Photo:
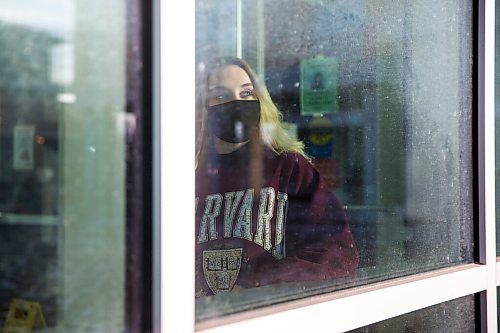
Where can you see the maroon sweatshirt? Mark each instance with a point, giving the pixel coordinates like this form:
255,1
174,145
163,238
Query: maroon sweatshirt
267,220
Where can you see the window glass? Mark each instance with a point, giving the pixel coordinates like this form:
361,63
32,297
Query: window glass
66,133
497,125
353,166
498,306
453,316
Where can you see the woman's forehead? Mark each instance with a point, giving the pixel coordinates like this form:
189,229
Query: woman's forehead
230,76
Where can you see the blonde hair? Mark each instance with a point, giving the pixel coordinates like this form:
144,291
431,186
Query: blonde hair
272,132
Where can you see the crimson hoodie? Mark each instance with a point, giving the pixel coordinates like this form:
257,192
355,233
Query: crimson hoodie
267,219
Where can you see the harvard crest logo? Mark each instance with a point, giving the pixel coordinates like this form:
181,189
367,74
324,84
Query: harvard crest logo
221,269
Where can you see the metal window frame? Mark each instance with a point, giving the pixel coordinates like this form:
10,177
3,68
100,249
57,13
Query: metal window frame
139,274
174,308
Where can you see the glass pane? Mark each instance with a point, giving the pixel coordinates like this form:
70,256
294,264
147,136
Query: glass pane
452,316
67,129
497,124
498,306
356,167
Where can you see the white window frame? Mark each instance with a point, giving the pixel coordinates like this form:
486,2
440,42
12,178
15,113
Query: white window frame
360,306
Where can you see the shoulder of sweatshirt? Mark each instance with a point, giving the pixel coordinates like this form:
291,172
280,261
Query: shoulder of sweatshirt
291,160
296,174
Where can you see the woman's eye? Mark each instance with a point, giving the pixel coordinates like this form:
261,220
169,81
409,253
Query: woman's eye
219,96
247,93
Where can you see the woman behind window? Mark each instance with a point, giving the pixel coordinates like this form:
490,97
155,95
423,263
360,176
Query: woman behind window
263,214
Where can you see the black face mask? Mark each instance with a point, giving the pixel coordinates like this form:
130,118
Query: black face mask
234,121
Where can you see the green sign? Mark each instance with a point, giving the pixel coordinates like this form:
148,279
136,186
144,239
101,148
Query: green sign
319,86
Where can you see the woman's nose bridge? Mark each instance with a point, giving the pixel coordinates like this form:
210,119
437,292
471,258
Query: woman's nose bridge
235,95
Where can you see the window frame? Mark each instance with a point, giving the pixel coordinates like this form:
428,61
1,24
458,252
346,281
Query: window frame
174,245
139,191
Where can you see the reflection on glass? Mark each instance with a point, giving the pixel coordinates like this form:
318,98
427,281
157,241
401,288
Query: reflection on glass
376,95
452,316
62,165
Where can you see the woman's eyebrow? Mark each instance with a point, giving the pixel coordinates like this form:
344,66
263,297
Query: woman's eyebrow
249,84
218,88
